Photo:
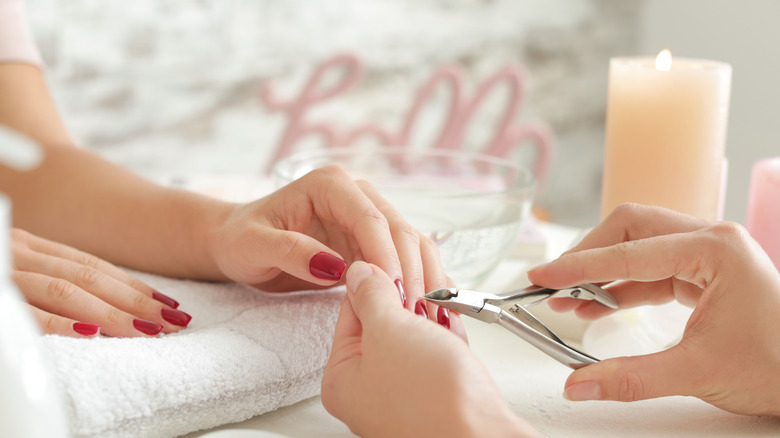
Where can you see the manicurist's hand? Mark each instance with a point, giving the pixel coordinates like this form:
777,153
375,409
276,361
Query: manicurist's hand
305,234
729,355
392,373
72,293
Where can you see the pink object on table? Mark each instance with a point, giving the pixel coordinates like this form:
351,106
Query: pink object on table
763,215
507,136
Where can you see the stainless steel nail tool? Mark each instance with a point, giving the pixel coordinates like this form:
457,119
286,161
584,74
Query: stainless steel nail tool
508,311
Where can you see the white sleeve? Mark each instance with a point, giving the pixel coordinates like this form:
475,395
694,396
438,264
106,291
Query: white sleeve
16,42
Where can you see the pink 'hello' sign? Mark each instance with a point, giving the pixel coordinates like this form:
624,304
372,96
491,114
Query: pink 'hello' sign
508,135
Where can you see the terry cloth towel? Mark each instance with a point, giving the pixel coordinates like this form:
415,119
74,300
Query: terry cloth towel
244,353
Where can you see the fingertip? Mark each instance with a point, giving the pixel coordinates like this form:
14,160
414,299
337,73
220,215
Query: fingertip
592,310
540,274
149,328
583,384
537,269
326,266
583,391
85,329
358,272
559,273
563,304
165,299
371,292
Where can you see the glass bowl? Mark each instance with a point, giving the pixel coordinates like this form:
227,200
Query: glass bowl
471,205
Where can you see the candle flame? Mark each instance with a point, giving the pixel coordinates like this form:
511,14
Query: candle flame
664,60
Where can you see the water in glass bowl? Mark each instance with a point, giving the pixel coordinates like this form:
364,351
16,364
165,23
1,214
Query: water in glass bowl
473,237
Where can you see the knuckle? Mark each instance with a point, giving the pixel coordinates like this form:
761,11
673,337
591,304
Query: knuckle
114,315
89,260
138,302
87,276
730,233
417,276
375,217
291,245
49,324
331,171
631,387
61,290
408,232
627,210
724,239
623,252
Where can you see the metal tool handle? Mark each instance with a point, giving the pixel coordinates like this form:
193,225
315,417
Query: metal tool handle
555,348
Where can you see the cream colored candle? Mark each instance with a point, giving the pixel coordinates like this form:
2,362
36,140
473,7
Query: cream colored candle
666,133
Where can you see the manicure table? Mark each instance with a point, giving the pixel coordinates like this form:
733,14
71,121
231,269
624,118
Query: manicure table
530,381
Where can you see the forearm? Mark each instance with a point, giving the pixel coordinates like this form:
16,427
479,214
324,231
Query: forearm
80,199
77,198
27,107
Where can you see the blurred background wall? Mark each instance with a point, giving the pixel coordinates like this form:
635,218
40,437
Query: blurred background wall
171,86
746,35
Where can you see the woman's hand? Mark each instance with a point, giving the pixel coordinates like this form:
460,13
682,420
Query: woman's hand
394,374
72,293
729,355
305,234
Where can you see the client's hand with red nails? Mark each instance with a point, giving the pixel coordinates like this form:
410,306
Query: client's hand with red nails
305,234
394,374
728,355
72,293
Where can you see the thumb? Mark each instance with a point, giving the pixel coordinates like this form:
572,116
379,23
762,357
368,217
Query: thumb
634,378
371,292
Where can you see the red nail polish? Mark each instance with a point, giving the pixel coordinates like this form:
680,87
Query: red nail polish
176,317
327,266
400,286
165,299
148,327
419,308
443,317
85,329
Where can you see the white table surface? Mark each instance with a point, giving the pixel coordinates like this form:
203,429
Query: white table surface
530,381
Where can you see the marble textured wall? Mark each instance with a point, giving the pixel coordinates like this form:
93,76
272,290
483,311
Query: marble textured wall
171,86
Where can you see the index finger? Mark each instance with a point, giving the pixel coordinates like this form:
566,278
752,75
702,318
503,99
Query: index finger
341,198
684,256
633,222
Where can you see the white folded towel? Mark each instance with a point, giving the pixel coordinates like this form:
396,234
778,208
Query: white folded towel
244,353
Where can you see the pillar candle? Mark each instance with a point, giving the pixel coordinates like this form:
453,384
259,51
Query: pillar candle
666,133
763,215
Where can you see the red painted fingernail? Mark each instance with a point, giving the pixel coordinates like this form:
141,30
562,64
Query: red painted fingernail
327,266
165,299
176,317
443,317
401,291
148,327
85,329
419,308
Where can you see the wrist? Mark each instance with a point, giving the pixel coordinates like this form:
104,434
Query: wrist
487,414
501,424
206,222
